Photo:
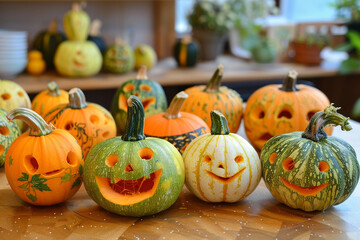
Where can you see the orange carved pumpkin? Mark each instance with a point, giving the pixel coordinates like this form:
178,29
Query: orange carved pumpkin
274,109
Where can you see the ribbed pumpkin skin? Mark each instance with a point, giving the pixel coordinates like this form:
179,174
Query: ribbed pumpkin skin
342,176
149,92
44,101
165,157
223,150
9,131
119,59
226,101
270,111
186,54
76,25
51,153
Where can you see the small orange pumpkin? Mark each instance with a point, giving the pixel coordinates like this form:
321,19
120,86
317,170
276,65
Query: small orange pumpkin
48,99
44,165
89,123
276,109
178,128
204,99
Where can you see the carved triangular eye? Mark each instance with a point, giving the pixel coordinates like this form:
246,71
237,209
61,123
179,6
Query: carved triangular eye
207,158
129,168
239,159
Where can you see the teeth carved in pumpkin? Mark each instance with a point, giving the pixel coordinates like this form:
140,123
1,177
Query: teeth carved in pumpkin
226,180
304,191
265,137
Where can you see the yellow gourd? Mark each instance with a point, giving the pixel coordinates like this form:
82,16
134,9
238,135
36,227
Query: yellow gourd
36,64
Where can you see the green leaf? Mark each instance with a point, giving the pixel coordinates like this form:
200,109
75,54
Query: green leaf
31,197
76,183
42,187
346,47
24,186
349,66
37,180
354,38
81,170
24,177
66,178
10,160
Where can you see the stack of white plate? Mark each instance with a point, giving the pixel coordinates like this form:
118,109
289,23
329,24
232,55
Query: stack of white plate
13,53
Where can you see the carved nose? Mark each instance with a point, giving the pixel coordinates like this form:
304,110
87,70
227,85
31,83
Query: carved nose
220,166
128,168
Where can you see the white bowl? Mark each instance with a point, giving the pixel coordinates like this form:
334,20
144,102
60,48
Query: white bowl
10,68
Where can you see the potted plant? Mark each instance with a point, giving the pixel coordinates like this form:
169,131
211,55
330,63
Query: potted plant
349,10
351,64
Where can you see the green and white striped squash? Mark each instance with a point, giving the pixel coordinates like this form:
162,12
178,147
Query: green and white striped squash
186,52
132,175
150,93
310,170
76,23
221,166
119,58
9,131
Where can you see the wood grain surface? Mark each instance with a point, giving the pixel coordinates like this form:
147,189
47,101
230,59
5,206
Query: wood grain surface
259,216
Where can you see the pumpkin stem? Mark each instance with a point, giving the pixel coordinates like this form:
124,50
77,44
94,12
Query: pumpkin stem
186,40
76,7
319,120
289,84
38,126
134,128
142,74
214,84
219,125
53,89
175,106
95,28
77,99
53,26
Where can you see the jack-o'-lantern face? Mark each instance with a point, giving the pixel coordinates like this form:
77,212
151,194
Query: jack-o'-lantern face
119,59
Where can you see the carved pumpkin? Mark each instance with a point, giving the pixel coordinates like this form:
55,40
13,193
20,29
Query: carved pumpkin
276,109
203,99
9,131
13,96
178,128
132,175
186,52
76,23
44,165
310,170
221,166
150,93
48,99
119,58
89,123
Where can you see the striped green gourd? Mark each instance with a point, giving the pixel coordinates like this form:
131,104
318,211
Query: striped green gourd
76,23
186,52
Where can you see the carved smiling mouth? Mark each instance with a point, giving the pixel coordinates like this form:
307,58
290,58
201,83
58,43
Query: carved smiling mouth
129,192
226,180
304,191
78,64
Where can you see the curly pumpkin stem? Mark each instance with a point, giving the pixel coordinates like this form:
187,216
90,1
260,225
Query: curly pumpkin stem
142,73
134,128
175,106
219,125
53,89
38,126
214,84
319,120
289,84
77,99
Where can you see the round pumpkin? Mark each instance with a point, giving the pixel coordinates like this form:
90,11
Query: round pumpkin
9,131
221,166
178,128
76,23
186,52
276,109
89,123
132,175
310,170
150,93
119,58
145,55
44,165
94,36
203,99
46,100
47,43
78,59
12,96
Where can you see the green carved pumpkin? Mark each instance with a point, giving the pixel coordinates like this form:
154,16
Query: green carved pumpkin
150,93
78,59
76,23
186,52
8,132
310,170
119,58
132,175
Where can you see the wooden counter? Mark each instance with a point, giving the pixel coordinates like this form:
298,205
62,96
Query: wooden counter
257,217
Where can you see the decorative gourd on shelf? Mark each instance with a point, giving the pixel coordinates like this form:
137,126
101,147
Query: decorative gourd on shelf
119,58
186,52
145,55
9,131
89,123
150,93
178,128
276,109
133,175
47,43
76,23
94,35
36,64
203,99
12,96
43,166
46,100
221,166
310,170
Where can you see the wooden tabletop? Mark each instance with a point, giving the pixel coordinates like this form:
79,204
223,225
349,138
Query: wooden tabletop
258,216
